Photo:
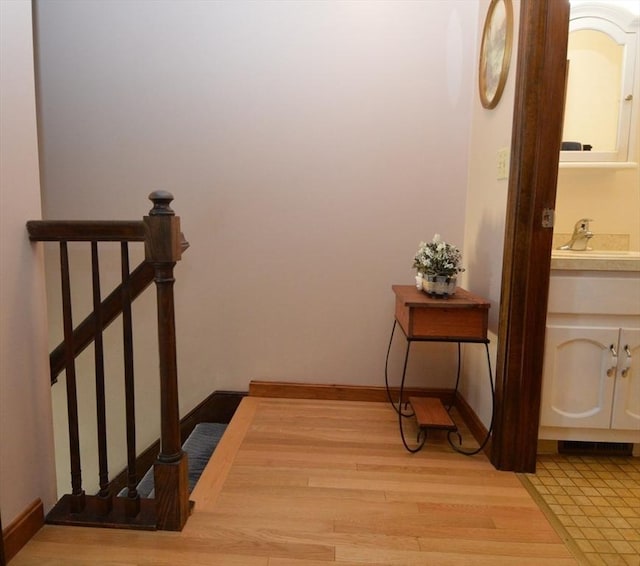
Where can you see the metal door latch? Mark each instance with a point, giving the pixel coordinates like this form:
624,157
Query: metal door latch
548,217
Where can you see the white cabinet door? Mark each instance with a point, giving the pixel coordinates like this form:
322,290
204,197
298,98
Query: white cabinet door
626,404
577,392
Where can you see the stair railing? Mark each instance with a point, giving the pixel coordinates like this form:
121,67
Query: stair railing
164,244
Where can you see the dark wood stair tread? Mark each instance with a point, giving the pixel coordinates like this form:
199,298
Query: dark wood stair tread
430,413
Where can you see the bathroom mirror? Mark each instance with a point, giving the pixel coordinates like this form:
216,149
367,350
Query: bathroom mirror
600,88
594,88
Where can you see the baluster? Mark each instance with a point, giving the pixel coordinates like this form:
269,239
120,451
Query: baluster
77,500
163,250
104,499
133,498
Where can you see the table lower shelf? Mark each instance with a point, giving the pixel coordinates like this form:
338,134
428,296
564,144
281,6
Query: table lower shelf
430,413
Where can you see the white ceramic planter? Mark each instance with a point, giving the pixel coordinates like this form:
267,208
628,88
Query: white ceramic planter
439,285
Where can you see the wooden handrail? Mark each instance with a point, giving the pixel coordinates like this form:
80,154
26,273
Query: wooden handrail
91,231
86,231
164,244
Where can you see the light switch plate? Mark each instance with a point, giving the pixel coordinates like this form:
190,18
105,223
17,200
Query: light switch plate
503,163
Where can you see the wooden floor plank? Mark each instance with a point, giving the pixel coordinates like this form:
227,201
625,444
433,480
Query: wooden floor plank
451,558
299,482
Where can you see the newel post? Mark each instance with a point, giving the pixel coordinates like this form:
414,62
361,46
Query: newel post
163,250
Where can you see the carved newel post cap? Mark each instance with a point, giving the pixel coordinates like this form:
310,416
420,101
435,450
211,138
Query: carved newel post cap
161,201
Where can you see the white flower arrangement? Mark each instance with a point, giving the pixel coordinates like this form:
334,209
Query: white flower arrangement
438,258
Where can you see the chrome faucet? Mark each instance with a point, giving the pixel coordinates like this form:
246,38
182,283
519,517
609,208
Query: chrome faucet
580,237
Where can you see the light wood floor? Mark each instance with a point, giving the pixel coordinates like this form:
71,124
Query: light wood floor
310,483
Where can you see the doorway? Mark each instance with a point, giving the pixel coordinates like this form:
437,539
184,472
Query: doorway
535,152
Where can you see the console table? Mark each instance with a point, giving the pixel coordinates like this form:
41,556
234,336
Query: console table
460,318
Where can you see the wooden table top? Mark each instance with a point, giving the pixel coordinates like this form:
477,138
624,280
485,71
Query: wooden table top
463,299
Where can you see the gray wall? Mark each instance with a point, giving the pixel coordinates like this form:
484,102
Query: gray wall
310,147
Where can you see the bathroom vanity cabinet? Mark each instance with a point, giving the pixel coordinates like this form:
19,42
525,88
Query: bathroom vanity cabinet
591,375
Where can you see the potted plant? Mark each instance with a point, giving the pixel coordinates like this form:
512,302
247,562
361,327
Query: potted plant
437,264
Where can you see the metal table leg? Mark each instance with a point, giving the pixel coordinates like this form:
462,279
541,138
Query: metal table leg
486,439
397,409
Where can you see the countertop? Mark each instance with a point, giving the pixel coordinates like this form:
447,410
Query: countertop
595,260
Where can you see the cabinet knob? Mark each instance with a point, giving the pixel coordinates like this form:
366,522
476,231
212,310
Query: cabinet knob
626,364
614,361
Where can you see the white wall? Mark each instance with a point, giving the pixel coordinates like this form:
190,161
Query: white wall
610,197
310,147
485,221
26,441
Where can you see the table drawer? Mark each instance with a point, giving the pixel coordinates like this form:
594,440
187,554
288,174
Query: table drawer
442,323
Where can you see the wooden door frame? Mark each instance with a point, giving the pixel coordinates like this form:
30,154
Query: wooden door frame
3,559
533,175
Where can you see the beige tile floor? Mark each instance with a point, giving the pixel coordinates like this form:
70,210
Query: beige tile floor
595,505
